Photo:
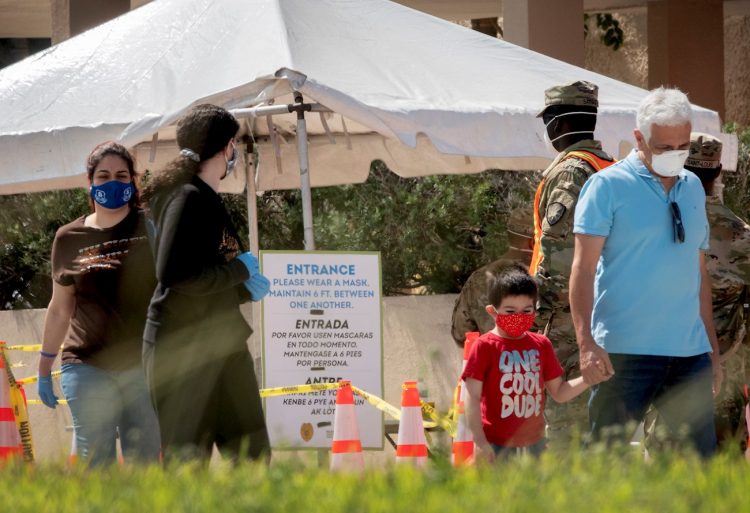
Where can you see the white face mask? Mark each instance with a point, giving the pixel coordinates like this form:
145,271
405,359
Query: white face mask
549,141
669,163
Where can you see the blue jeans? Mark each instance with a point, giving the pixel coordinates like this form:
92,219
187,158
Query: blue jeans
103,403
678,387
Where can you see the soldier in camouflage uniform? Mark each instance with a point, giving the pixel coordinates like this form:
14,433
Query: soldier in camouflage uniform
728,263
469,313
569,117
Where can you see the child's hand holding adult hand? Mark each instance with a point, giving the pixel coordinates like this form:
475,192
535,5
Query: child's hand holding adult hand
595,363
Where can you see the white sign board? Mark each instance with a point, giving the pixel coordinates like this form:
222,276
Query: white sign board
322,322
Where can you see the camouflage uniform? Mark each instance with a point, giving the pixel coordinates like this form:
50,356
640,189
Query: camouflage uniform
728,264
469,312
562,183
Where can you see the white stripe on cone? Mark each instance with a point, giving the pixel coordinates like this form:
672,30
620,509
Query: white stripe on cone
73,456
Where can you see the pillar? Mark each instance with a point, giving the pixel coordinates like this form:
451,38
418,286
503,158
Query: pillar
686,49
552,28
71,17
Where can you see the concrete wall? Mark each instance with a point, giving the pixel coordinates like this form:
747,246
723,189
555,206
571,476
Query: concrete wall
51,429
737,68
630,62
416,342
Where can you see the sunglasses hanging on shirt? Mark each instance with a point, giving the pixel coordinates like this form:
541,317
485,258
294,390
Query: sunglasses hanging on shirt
679,228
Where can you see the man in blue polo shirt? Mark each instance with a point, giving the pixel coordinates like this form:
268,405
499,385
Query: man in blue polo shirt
640,296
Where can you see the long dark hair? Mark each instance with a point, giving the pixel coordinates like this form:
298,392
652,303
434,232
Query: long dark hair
205,130
111,148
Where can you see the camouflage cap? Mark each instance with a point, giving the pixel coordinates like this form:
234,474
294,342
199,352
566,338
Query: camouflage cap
580,93
705,151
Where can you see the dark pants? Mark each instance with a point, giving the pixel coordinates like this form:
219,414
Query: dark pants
503,452
204,398
678,387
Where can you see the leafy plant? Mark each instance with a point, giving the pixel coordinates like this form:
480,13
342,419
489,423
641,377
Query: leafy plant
608,28
580,481
28,223
737,183
432,232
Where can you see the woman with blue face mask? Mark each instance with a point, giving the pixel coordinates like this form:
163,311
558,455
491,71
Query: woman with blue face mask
103,278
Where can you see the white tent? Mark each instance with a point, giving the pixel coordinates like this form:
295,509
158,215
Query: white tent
424,95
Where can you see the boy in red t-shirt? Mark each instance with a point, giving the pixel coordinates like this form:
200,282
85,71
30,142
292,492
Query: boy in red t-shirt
508,369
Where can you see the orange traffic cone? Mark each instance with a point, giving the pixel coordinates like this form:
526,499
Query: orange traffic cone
346,450
10,438
412,445
463,443
470,338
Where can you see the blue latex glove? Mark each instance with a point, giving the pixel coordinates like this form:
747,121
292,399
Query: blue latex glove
258,286
45,391
251,263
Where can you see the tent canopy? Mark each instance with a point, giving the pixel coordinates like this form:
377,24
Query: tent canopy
423,94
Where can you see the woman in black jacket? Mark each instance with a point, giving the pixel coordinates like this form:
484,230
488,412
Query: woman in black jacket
199,369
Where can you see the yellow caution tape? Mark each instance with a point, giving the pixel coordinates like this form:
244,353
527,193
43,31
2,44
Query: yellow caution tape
30,348
443,422
11,379
18,402
34,379
374,400
39,401
297,389
386,407
20,413
378,403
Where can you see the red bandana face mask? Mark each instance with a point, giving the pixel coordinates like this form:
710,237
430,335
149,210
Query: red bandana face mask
515,324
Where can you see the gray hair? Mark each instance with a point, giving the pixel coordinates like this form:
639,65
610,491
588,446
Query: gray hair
663,107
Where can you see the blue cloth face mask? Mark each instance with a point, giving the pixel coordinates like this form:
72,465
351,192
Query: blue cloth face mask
231,163
113,194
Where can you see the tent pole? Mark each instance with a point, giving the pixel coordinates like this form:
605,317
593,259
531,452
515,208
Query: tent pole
304,172
252,198
251,170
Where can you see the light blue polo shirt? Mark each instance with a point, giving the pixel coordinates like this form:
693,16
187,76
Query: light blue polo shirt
647,285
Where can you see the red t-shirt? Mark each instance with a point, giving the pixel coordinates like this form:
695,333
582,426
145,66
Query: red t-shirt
513,373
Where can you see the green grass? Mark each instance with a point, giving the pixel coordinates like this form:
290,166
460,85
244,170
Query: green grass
581,482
